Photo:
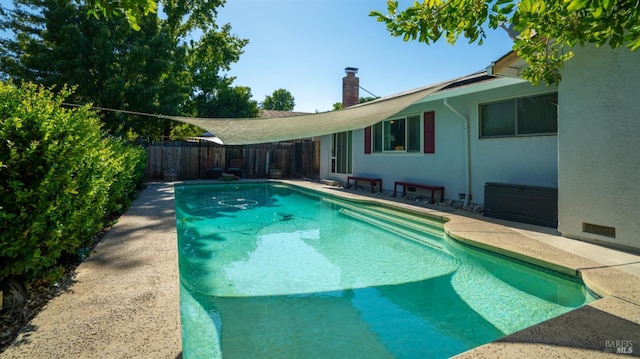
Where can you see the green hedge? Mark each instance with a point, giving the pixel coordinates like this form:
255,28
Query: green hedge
60,179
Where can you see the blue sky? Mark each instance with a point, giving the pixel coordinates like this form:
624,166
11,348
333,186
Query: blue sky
303,46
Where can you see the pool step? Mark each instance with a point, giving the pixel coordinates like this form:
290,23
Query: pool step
409,225
419,219
406,219
422,237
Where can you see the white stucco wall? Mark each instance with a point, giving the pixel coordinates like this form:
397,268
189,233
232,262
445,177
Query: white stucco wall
599,145
522,160
444,168
530,160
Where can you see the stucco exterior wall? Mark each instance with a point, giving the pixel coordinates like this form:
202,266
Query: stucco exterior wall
599,145
522,160
528,160
445,167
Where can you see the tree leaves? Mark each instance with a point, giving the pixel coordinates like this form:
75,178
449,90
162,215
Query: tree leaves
574,5
280,100
133,10
158,69
545,26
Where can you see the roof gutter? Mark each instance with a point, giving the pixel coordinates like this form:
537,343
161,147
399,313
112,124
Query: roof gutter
467,157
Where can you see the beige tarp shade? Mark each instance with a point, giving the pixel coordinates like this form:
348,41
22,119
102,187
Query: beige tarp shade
240,131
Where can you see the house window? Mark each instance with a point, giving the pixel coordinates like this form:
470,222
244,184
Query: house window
526,116
341,153
397,135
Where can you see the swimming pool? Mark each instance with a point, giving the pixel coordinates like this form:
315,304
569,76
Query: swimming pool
273,271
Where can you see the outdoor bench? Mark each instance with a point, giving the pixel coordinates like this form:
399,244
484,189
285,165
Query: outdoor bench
432,188
372,182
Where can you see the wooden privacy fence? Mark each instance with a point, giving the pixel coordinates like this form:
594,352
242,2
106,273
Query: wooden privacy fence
195,160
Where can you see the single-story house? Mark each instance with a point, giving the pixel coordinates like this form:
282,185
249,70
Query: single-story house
461,136
493,128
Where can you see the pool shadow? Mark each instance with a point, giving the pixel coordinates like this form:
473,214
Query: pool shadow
586,328
375,319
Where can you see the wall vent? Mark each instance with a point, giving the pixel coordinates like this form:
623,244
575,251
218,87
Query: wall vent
598,229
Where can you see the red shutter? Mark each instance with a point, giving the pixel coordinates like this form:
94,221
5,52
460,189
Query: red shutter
429,132
367,140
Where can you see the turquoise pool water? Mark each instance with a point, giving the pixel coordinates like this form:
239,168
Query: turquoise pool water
271,272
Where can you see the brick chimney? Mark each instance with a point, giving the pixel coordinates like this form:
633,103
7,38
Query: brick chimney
350,88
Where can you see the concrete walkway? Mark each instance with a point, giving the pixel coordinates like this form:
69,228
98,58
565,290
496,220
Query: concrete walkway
125,301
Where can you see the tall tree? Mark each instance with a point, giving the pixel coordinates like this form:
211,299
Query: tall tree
155,70
214,95
541,29
281,100
228,102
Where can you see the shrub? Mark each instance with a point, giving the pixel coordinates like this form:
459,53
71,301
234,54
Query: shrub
60,178
127,167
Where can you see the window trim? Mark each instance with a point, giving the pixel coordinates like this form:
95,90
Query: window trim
370,132
515,134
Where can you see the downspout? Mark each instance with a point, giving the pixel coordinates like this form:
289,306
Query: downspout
467,157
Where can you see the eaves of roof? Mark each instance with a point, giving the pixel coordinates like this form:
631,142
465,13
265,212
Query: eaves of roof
474,83
509,65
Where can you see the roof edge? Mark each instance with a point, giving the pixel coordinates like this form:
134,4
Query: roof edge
509,65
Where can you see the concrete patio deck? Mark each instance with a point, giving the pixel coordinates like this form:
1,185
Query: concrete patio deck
124,302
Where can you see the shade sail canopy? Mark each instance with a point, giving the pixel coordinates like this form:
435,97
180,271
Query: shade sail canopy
242,131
